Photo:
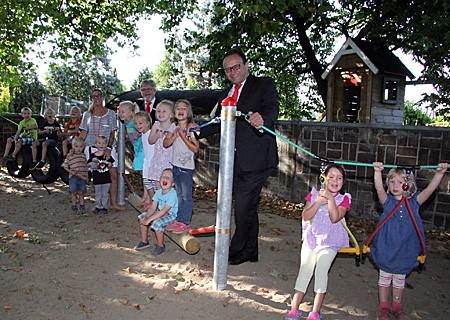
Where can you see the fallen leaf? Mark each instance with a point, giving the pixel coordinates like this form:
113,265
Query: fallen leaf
276,230
137,307
127,269
17,269
263,290
19,234
125,303
5,307
126,285
274,273
179,278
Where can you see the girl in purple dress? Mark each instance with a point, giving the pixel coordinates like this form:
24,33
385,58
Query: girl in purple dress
323,236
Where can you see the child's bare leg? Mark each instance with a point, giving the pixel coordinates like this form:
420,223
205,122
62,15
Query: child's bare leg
297,299
159,238
398,286
81,197
383,294
144,197
74,198
34,150
150,194
65,147
144,233
9,143
318,301
44,150
17,147
397,295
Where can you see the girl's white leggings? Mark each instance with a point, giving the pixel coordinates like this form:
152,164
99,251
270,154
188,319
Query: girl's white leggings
320,261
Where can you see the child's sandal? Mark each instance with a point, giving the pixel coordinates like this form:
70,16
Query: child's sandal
293,315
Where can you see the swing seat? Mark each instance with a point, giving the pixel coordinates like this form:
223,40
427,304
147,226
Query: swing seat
355,250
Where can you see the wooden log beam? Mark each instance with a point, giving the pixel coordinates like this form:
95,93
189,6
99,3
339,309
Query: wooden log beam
186,242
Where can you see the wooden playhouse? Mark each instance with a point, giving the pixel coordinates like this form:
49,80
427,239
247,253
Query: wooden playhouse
366,84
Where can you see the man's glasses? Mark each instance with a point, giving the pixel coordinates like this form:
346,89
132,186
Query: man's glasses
95,96
147,89
236,67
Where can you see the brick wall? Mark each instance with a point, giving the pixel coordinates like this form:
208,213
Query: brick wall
298,172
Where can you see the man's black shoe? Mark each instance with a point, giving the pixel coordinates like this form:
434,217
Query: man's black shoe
239,260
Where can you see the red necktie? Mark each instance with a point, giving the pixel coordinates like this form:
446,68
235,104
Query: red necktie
236,91
147,107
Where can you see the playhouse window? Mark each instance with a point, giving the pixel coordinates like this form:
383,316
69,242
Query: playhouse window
390,90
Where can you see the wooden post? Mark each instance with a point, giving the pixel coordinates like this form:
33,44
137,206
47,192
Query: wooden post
186,242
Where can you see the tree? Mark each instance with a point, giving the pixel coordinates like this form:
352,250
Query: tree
143,74
163,73
294,41
4,99
76,79
75,28
29,93
414,116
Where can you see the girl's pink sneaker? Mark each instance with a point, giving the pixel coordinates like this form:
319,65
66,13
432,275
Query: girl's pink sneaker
181,228
172,226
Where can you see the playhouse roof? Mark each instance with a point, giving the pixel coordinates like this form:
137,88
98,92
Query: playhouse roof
377,58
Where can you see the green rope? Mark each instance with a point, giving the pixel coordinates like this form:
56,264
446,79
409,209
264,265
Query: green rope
9,120
358,164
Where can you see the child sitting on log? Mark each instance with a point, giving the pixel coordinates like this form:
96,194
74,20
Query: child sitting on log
162,212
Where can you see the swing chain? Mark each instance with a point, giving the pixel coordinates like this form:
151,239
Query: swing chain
407,184
322,177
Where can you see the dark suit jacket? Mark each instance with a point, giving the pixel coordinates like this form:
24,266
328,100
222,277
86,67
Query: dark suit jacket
153,112
254,150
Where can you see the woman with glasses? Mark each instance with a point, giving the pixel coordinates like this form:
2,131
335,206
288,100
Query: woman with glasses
101,121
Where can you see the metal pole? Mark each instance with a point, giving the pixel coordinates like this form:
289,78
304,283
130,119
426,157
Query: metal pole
121,164
224,198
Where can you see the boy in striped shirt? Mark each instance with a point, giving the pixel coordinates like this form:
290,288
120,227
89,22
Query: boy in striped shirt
75,164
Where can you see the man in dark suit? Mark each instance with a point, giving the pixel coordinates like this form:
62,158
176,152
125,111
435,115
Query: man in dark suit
148,92
255,150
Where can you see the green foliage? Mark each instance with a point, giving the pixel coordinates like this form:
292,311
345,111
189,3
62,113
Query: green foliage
163,73
4,99
441,121
290,40
414,116
75,28
30,92
143,75
293,41
76,79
